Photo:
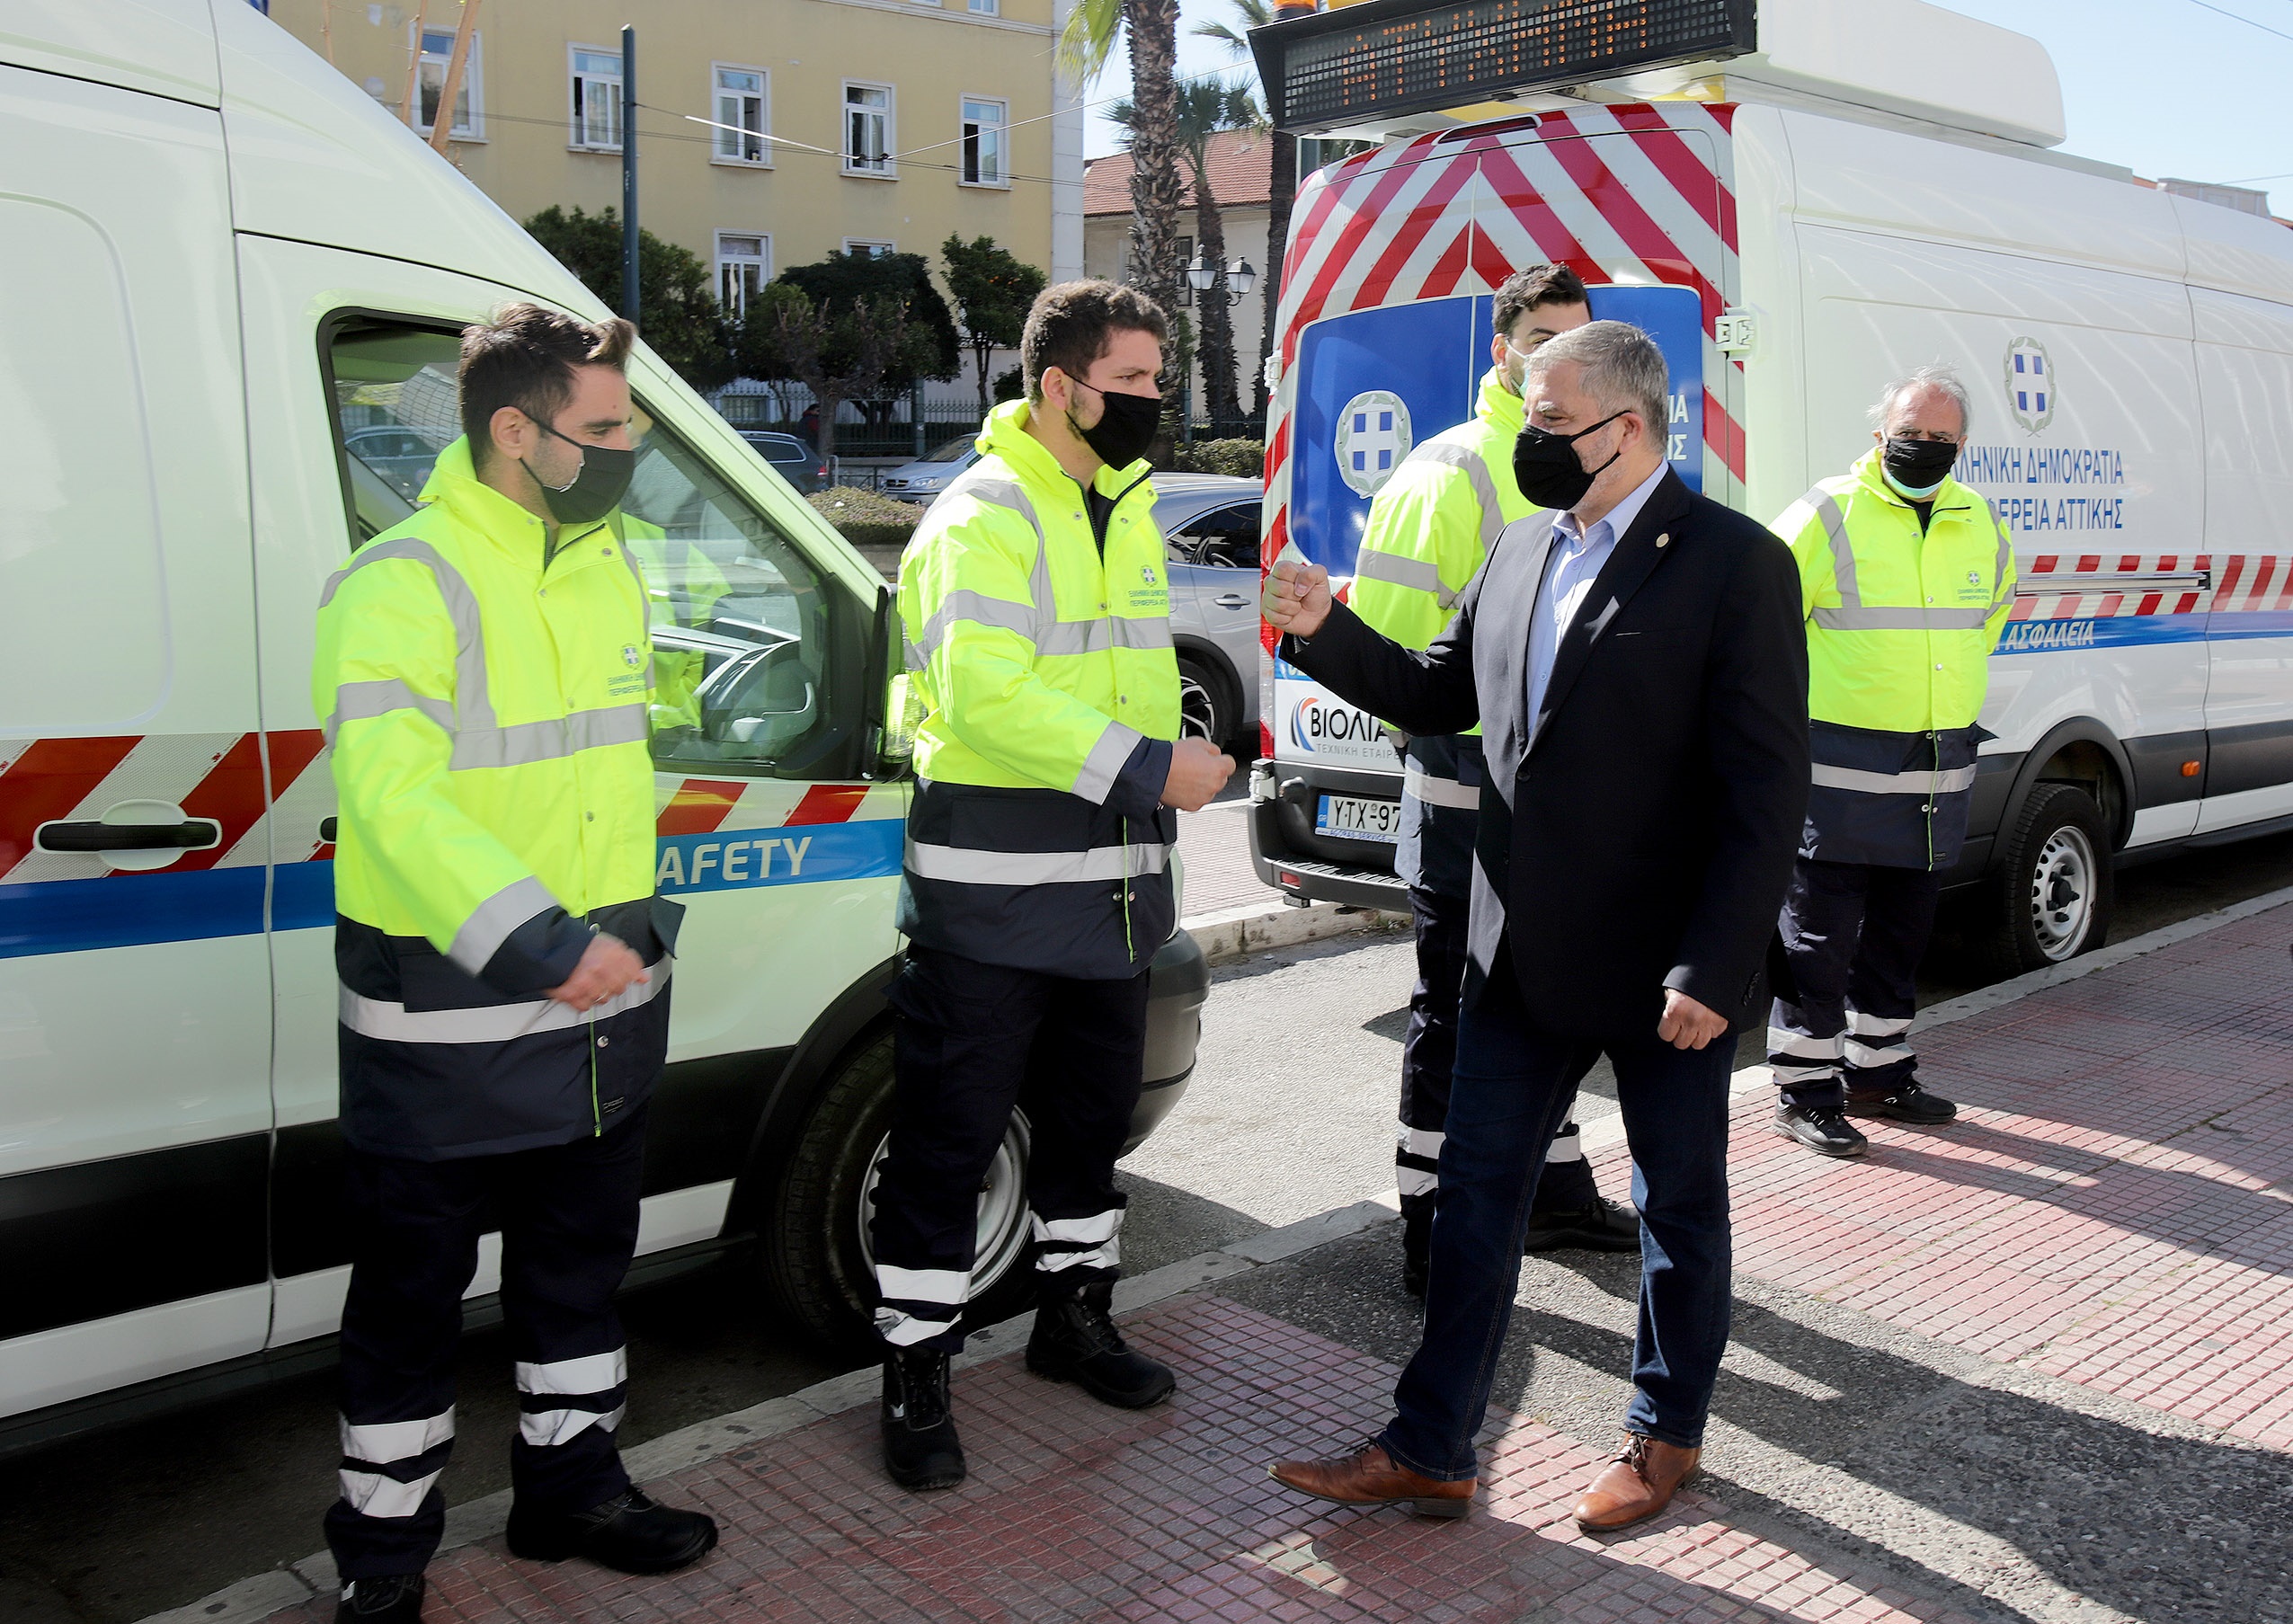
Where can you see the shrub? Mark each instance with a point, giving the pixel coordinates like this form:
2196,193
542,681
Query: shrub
866,518
1238,459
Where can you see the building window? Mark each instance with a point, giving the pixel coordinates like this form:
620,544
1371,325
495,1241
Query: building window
743,115
743,265
597,99
867,129
984,123
983,8
469,102
875,250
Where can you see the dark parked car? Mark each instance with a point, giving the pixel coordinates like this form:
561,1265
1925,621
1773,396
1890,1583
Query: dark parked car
791,458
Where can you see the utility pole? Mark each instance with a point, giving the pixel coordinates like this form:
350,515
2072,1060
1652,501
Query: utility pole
629,172
456,65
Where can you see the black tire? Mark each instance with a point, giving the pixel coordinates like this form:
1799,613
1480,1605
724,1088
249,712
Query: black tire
2055,888
1206,707
812,1245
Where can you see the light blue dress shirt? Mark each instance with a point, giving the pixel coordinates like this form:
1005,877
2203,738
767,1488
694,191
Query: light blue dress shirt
1570,567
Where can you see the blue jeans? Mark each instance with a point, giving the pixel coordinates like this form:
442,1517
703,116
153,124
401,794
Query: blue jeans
1511,1086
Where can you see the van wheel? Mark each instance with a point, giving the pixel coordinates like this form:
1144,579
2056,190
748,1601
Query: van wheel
2056,887
818,1261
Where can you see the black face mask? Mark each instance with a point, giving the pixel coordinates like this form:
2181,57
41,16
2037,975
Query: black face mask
595,490
1917,466
1547,468
1126,426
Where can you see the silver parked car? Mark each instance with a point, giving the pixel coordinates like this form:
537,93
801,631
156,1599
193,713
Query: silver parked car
927,476
1209,530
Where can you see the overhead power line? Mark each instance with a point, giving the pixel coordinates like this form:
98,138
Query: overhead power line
2221,11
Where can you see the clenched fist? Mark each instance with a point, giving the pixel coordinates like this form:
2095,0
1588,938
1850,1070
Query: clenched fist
1296,598
1198,770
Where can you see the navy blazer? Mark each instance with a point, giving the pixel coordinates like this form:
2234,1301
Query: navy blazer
1639,833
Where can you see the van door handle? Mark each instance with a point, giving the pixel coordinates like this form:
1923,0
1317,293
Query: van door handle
193,834
1231,600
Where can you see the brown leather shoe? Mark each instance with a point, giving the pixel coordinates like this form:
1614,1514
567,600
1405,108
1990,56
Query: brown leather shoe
1368,1476
1635,1485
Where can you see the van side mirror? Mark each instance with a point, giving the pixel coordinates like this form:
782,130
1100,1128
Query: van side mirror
894,708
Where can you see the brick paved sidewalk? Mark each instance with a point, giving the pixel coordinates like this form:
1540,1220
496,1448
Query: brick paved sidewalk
1077,1512
2114,1206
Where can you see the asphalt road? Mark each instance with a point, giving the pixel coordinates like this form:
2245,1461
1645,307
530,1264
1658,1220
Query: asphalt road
1290,1114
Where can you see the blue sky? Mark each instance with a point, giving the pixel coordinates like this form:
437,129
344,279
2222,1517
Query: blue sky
2165,87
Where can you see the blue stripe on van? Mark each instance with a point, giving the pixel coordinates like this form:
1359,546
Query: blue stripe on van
2050,636
138,911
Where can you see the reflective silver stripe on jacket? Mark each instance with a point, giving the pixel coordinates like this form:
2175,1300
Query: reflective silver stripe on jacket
479,739
1893,784
366,701
492,921
531,741
472,707
1048,632
1095,636
1440,792
1475,468
1850,616
1416,573
965,865
394,1023
1902,620
963,604
1104,765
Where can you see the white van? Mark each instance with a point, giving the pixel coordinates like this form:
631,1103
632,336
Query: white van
1798,223
227,271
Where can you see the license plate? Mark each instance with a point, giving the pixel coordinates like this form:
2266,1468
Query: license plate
1357,818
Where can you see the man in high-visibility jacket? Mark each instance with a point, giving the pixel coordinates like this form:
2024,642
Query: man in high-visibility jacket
1906,578
482,670
1037,885
1429,528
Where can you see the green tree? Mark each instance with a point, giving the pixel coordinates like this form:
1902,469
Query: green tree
1150,28
994,289
1205,108
926,349
841,351
677,310
1282,188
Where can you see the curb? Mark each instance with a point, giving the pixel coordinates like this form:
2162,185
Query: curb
1247,929
1229,934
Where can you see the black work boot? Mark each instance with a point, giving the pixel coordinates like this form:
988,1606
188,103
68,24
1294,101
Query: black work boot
1075,1340
1822,1129
1908,1104
1416,1242
394,1600
1599,1225
920,1449
628,1533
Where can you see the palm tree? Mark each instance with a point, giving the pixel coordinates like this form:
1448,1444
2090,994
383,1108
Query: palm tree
1205,108
1283,186
1151,28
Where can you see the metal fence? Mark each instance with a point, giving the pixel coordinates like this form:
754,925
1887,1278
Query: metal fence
903,427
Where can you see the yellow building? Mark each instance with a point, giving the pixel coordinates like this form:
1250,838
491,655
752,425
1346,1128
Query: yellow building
884,124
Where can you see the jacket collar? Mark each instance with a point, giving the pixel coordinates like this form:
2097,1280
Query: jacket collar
479,508
1950,497
1499,407
1005,436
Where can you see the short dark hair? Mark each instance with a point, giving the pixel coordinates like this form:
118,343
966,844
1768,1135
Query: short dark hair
524,357
1529,290
1073,323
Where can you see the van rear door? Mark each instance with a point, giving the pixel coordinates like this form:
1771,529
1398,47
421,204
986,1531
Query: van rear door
135,1032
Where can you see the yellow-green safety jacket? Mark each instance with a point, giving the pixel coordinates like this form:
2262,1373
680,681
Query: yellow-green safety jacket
1430,526
1042,661
486,702
1900,627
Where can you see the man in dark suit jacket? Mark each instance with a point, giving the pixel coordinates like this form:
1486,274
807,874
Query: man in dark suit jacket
1638,669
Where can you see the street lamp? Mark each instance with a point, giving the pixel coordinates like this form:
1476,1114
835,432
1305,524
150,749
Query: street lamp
1201,274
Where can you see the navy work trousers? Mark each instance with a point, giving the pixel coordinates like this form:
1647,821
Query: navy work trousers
1853,935
568,1216
1512,1086
971,1042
